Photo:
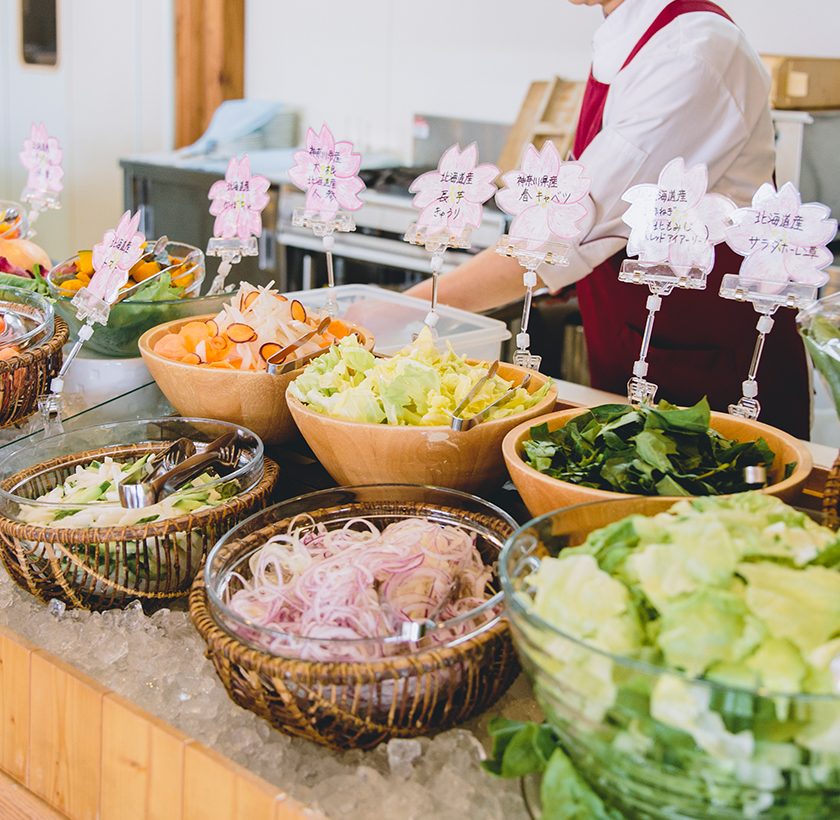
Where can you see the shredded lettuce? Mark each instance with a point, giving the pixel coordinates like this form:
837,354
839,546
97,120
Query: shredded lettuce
418,386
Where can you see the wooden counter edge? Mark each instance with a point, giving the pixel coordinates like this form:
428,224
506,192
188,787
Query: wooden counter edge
74,750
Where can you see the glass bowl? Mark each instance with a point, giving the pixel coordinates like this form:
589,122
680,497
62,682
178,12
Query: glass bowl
12,227
35,313
657,744
355,693
130,319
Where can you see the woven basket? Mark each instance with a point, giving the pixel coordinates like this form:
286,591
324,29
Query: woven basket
104,567
359,704
831,491
26,376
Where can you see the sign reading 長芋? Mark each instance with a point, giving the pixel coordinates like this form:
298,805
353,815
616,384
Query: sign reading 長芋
675,222
544,197
238,200
327,170
451,197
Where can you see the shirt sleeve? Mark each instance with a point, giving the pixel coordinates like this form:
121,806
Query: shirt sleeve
663,105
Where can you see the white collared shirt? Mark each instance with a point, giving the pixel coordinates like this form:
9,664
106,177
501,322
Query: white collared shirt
696,90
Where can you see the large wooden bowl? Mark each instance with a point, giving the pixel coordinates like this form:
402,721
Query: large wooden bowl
543,494
363,453
255,400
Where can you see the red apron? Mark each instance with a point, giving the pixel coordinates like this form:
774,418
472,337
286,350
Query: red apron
702,344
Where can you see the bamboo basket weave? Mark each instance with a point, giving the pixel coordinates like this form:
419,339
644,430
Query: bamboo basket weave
831,491
27,375
359,704
104,567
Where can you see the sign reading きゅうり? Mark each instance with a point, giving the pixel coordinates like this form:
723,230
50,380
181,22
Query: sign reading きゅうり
675,222
238,200
327,170
544,197
42,157
114,257
451,197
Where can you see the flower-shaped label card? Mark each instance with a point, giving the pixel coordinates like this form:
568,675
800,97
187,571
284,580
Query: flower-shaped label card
783,243
114,257
327,170
451,198
237,201
42,157
675,224
545,197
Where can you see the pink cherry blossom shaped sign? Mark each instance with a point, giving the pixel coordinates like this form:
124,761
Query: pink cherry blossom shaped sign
782,240
675,222
238,200
114,257
327,170
42,157
451,198
545,197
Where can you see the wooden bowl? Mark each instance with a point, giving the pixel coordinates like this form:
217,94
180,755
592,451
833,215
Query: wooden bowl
255,400
543,494
364,453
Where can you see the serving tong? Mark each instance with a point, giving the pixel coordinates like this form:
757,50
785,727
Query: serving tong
275,364
414,630
174,467
192,258
459,424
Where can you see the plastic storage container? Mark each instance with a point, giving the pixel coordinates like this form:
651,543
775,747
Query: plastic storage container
393,317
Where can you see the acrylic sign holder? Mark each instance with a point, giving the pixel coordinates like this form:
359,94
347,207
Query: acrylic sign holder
112,261
545,198
450,200
237,203
327,171
783,242
674,226
41,156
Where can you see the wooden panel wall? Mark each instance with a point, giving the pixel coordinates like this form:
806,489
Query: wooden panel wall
70,749
209,62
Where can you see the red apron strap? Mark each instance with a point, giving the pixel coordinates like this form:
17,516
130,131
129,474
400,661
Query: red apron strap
669,14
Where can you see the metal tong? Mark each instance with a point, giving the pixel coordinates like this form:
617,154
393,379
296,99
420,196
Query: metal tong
275,364
459,424
174,467
415,630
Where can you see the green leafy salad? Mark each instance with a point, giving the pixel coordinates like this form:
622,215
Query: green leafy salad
721,610
646,450
417,386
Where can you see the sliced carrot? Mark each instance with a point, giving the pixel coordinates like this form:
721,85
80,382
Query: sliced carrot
191,358
240,333
193,333
217,348
171,346
298,311
220,365
212,327
249,299
338,329
269,349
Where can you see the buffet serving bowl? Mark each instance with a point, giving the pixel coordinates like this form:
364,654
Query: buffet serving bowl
702,764
396,687
16,228
255,399
99,567
468,460
543,493
129,319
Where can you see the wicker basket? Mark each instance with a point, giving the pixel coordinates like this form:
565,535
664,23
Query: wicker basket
105,567
359,704
26,376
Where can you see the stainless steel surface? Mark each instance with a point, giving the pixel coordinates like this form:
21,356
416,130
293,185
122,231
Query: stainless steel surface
433,135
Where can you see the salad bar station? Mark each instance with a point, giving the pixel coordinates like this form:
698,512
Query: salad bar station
333,556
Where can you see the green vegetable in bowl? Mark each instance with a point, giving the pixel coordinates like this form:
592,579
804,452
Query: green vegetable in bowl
417,386
645,450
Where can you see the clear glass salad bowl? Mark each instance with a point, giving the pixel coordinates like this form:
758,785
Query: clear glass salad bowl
33,315
13,221
357,692
131,318
657,744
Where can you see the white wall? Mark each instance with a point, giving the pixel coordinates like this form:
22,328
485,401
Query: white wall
111,95
366,67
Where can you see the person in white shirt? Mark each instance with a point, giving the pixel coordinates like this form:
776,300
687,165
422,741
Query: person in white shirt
669,78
